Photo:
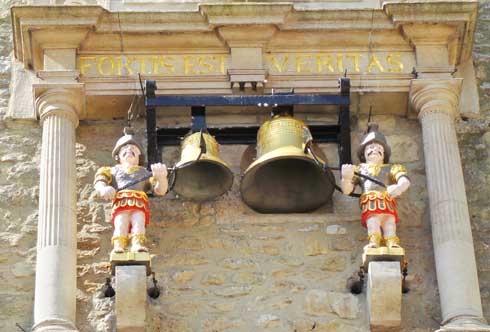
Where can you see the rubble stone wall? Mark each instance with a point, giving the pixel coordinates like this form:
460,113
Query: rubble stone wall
221,266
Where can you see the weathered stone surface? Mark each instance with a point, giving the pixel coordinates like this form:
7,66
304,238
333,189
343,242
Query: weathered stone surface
317,303
213,279
334,264
335,230
314,247
288,273
183,277
234,291
344,305
267,320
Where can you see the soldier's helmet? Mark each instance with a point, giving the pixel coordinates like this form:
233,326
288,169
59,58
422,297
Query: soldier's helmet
373,135
128,138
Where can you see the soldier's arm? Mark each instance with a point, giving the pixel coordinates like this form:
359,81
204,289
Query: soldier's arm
103,179
400,177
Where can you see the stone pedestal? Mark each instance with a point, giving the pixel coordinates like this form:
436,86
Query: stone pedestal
384,296
130,298
437,100
55,293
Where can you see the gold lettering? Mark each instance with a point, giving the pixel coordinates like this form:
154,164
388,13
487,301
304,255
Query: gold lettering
142,60
300,63
340,64
207,65
188,65
324,60
221,59
170,67
355,57
100,65
391,60
280,68
374,62
126,65
84,65
154,65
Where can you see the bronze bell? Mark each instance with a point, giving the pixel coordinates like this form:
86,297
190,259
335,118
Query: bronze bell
203,179
284,178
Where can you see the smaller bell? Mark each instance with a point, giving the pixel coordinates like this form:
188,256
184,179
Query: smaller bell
201,174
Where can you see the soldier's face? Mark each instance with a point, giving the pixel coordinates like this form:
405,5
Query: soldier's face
129,154
374,153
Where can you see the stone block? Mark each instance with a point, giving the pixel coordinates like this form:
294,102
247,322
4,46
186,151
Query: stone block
130,298
384,295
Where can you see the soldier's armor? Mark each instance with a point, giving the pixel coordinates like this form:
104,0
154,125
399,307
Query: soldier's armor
374,198
385,173
132,198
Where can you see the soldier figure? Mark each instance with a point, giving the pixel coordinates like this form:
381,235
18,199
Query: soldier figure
130,206
377,202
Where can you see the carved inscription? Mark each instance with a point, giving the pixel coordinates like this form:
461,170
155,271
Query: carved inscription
218,64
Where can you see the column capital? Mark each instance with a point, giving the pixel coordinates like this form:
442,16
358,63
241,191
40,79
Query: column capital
64,100
435,96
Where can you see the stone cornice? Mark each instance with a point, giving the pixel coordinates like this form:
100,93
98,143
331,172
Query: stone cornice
435,96
39,27
459,15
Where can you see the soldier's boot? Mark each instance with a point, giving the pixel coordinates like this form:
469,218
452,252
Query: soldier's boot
138,243
119,244
374,241
392,241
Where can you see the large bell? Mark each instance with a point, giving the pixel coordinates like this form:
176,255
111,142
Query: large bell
201,175
284,178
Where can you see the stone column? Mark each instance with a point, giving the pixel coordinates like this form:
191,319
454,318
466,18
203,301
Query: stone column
436,101
55,293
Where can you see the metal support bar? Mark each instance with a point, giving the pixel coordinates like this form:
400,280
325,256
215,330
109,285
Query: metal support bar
247,100
339,133
151,126
242,135
344,124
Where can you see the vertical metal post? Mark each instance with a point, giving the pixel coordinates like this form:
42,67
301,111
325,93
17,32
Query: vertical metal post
198,119
151,125
344,124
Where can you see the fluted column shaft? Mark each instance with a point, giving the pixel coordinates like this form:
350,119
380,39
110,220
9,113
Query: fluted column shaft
457,278
55,293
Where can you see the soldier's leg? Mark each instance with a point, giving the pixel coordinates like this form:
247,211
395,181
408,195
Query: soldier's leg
138,231
388,225
121,229
374,232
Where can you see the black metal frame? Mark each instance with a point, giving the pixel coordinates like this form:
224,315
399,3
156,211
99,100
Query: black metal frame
329,133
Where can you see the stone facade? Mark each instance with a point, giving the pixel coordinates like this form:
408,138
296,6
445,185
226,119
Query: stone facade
221,266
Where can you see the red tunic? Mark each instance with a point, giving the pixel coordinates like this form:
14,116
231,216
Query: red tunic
377,202
131,200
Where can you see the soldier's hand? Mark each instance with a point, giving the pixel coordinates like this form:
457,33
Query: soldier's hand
347,171
159,170
394,190
107,192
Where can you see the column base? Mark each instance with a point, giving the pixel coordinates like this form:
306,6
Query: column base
55,325
465,325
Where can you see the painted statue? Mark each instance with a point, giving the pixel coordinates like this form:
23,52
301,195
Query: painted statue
126,184
381,183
